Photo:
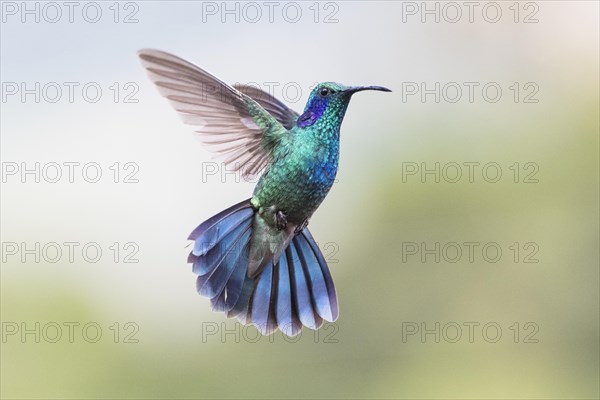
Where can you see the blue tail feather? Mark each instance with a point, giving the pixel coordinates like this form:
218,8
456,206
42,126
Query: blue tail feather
211,231
218,302
297,290
287,318
326,274
236,281
301,290
207,263
214,283
240,309
315,278
261,302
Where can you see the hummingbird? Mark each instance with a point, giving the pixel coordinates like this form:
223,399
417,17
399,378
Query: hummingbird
257,260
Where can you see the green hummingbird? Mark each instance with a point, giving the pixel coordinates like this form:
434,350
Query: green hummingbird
257,260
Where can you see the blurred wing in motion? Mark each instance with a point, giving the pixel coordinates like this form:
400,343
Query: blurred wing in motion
232,123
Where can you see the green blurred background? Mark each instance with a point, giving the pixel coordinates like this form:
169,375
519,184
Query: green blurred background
178,347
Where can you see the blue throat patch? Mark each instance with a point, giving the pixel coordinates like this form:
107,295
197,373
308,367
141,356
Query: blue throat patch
314,110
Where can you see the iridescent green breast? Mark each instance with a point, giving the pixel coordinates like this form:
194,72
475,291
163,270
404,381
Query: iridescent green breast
302,172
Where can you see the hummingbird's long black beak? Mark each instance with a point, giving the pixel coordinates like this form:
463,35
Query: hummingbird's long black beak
354,89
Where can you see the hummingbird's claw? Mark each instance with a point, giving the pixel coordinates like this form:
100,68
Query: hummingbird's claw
281,220
301,227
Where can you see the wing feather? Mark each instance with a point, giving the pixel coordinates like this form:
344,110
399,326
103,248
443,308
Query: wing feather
242,129
285,115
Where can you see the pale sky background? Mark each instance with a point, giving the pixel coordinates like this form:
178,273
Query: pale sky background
370,44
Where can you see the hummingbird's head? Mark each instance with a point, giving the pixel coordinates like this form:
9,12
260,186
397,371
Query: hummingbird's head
328,102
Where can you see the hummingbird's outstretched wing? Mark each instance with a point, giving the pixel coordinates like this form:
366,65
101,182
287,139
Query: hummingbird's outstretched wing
285,115
231,122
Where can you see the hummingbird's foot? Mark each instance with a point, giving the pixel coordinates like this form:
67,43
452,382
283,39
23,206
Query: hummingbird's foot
301,227
281,220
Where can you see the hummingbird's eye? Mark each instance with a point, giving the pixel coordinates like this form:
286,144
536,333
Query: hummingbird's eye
324,92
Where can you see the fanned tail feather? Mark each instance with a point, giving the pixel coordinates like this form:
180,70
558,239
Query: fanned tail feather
295,291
